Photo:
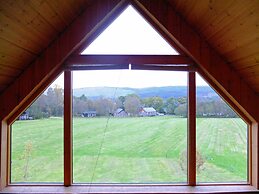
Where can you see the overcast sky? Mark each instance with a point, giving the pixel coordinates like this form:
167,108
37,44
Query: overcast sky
129,34
128,78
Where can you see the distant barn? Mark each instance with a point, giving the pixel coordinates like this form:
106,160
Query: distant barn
147,112
120,113
89,114
25,116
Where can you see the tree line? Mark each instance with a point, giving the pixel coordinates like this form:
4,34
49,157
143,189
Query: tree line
51,103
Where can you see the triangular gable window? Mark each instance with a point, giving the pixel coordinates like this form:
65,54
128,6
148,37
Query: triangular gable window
130,34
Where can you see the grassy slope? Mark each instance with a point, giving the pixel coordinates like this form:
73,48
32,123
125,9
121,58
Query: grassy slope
133,150
46,158
223,144
137,150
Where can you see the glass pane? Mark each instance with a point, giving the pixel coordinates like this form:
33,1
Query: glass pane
130,34
37,139
221,139
129,126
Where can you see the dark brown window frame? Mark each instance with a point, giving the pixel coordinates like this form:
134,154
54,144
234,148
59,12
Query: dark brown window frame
161,64
154,62
253,127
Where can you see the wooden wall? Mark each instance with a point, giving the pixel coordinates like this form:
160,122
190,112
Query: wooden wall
163,16
29,27
231,28
54,56
207,58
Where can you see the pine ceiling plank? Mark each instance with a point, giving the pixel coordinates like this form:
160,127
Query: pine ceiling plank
61,9
69,9
248,61
250,71
255,66
37,22
243,51
58,11
8,61
14,62
225,14
80,5
214,12
244,32
240,35
189,9
16,34
205,13
15,52
50,15
21,32
51,60
198,11
207,58
232,28
254,52
232,24
31,20
241,44
76,7
22,39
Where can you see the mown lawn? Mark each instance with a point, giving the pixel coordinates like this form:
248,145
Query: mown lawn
128,150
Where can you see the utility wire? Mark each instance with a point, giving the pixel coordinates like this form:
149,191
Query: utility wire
103,137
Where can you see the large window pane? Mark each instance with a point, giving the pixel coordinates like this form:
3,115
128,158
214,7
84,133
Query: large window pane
221,139
129,126
37,139
130,34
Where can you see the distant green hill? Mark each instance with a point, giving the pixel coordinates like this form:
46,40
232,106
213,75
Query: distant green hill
108,92
163,92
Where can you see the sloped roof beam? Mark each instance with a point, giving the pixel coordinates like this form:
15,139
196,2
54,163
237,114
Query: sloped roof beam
82,30
162,15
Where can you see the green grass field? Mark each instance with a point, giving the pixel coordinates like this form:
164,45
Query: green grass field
129,150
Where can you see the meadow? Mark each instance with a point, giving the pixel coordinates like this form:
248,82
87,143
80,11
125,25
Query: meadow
129,150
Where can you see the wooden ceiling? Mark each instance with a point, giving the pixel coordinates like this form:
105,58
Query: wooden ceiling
231,27
27,28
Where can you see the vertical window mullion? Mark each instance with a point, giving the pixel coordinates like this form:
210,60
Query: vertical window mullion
68,128
191,129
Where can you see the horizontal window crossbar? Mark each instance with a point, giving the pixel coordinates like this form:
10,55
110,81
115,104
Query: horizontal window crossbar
168,67
127,59
98,67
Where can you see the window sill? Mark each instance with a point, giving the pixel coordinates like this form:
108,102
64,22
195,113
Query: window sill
130,189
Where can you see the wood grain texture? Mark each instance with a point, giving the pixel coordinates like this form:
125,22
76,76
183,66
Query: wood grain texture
3,154
53,57
219,22
35,95
68,166
208,59
230,27
132,189
28,27
255,155
191,129
127,59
